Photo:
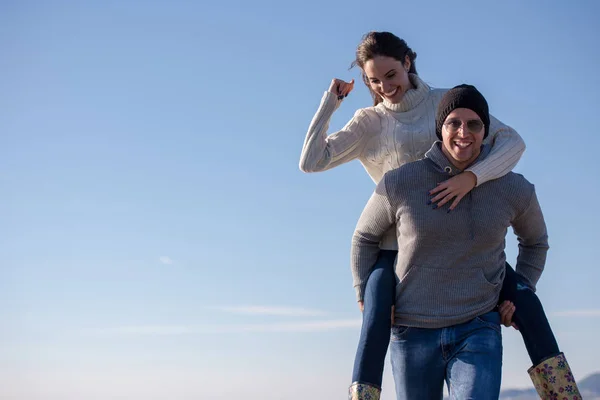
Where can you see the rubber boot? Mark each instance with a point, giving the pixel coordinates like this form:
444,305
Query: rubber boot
363,391
553,379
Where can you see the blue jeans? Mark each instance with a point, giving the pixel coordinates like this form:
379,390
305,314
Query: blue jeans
529,317
468,357
379,295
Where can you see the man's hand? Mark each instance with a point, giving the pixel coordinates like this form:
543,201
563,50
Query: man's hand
507,310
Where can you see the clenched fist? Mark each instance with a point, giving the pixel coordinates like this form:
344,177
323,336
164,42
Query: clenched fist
341,88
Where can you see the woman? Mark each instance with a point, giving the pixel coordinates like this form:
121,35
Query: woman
398,129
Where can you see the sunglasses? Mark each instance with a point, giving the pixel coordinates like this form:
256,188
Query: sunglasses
473,125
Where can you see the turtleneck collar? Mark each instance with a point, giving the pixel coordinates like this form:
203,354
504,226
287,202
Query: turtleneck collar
412,98
443,165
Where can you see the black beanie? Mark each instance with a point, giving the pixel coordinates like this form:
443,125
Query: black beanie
462,96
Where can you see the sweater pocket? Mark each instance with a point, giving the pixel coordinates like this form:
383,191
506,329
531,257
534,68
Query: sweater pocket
444,292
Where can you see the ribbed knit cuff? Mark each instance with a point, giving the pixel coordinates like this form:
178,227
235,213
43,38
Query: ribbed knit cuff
477,171
529,276
359,292
331,99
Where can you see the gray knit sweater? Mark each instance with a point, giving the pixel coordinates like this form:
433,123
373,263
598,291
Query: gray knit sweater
450,266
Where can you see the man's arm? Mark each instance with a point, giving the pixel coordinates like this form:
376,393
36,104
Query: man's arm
530,229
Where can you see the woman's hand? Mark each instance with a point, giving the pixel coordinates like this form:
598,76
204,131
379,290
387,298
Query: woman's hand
341,88
454,188
506,310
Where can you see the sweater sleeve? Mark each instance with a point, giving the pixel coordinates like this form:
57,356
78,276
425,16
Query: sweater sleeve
377,217
321,152
530,229
507,149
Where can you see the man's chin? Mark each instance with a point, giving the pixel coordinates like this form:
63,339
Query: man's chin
462,161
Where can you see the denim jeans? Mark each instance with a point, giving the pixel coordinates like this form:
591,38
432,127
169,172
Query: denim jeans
468,357
379,295
530,317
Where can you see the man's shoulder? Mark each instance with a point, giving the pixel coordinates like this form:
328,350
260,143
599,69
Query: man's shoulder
515,180
408,169
513,187
408,177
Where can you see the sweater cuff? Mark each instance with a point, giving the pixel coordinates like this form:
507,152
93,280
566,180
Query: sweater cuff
529,278
331,100
359,292
479,175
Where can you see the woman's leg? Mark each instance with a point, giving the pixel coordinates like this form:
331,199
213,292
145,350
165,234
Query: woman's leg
379,296
529,317
550,372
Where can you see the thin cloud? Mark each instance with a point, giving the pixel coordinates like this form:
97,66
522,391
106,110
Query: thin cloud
165,260
178,330
294,327
266,310
577,313
157,330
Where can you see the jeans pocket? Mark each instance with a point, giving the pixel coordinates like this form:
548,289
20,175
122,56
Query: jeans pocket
399,332
490,320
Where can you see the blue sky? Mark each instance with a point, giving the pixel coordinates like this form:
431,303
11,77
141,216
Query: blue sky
158,240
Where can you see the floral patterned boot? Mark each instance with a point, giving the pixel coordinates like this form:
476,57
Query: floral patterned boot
363,391
553,379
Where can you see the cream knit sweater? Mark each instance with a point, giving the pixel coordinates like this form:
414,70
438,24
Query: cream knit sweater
388,136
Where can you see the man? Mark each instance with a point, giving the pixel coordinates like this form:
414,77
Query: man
450,265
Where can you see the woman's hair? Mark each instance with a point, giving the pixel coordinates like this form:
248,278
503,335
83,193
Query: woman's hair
386,44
